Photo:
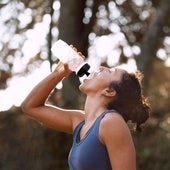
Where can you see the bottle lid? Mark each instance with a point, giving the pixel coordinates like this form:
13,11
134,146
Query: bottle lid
84,70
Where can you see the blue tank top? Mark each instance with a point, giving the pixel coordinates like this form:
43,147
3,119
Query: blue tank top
89,153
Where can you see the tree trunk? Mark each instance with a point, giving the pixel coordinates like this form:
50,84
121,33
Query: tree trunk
70,29
152,39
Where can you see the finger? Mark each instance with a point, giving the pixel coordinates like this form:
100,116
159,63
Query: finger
59,65
75,49
81,55
66,67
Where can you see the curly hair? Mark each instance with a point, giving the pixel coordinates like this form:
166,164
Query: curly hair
129,101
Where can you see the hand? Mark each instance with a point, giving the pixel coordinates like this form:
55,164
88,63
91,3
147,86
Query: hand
79,53
63,69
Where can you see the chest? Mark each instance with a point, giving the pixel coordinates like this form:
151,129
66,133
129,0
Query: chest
89,153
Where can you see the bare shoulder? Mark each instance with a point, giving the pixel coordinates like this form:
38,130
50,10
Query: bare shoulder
114,120
114,126
115,135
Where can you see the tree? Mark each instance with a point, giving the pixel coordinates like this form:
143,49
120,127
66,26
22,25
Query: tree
154,37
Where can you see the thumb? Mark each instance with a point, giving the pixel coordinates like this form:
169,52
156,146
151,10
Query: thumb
66,68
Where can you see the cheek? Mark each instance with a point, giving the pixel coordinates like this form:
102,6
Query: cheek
102,82
96,84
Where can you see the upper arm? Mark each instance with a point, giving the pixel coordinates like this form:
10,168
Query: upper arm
115,134
57,118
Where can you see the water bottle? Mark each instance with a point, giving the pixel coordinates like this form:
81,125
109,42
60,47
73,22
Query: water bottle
66,54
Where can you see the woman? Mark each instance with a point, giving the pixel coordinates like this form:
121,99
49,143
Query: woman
101,137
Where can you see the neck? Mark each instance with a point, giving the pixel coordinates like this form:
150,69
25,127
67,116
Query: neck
94,106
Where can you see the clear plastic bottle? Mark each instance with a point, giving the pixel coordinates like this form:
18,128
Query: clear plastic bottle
66,54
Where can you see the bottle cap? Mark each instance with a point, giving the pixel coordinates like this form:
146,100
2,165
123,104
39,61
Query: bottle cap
84,70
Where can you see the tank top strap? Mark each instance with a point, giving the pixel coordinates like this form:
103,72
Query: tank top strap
95,125
104,113
98,120
77,130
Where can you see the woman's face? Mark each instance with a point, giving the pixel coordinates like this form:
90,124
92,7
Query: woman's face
101,79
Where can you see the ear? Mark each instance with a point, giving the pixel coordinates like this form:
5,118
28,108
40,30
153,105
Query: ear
109,92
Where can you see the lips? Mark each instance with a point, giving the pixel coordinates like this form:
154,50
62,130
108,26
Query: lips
91,76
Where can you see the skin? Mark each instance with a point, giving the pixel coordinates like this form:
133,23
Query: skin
113,131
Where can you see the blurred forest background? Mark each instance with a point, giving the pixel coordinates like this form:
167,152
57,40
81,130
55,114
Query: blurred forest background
107,32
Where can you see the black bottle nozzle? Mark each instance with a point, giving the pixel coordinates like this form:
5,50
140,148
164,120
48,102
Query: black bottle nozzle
84,70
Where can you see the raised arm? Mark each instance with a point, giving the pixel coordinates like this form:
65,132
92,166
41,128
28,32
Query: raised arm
53,117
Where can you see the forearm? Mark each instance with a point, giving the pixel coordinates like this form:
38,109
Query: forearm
41,91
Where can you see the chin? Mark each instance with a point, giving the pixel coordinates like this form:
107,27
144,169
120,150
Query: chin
82,88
